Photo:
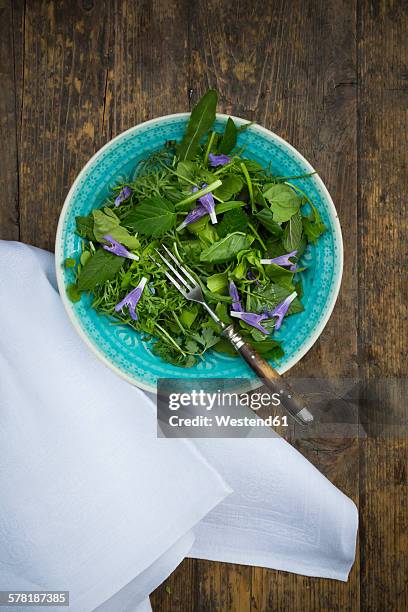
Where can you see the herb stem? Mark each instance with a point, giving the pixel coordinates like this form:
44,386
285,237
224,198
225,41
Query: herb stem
249,183
183,178
299,190
223,168
209,148
198,194
167,335
183,331
257,236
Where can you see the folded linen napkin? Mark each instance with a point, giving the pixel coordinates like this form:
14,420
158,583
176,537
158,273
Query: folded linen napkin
92,502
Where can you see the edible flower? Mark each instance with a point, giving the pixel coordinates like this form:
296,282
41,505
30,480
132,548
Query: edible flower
218,160
124,194
236,303
194,215
251,276
118,249
281,310
252,319
282,260
131,299
207,201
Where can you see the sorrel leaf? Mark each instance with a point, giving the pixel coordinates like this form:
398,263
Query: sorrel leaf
201,119
227,248
229,138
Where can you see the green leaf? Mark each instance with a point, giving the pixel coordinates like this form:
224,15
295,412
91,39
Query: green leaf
313,225
84,227
201,119
233,221
191,250
281,276
152,217
85,255
229,138
73,293
207,338
102,266
225,206
186,170
292,235
252,166
106,223
188,316
217,282
269,296
69,262
227,248
225,346
205,230
283,201
231,185
265,216
270,349
223,310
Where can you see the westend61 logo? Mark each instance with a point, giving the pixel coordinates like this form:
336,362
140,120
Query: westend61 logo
210,408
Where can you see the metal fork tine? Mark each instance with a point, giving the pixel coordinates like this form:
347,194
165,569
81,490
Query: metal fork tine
182,268
173,269
169,276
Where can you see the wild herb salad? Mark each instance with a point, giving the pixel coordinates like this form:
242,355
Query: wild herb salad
240,230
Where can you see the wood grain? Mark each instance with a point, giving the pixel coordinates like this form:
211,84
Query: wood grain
383,327
329,76
9,167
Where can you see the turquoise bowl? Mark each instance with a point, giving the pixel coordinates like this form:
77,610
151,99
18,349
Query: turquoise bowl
123,349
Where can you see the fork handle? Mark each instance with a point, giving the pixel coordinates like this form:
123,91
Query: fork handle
290,400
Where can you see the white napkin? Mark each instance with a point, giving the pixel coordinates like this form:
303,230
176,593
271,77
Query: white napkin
92,502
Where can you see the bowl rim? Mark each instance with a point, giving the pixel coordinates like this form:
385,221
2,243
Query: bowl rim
239,120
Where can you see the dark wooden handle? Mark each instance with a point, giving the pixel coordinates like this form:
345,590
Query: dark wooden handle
290,400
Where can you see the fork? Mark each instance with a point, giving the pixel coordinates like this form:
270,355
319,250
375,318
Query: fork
181,278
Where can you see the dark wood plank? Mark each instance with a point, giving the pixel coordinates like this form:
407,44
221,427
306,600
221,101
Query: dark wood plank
150,61
9,204
383,160
67,58
294,71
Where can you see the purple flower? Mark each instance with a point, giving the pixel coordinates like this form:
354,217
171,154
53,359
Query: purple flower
195,214
282,260
118,249
218,160
131,299
236,303
207,201
251,276
252,319
281,310
124,194
206,206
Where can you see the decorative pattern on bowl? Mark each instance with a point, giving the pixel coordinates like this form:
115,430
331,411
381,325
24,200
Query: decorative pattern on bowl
119,346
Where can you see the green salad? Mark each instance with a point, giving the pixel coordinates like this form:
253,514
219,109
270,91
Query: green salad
239,229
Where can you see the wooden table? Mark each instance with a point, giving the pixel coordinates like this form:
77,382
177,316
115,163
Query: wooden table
330,76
